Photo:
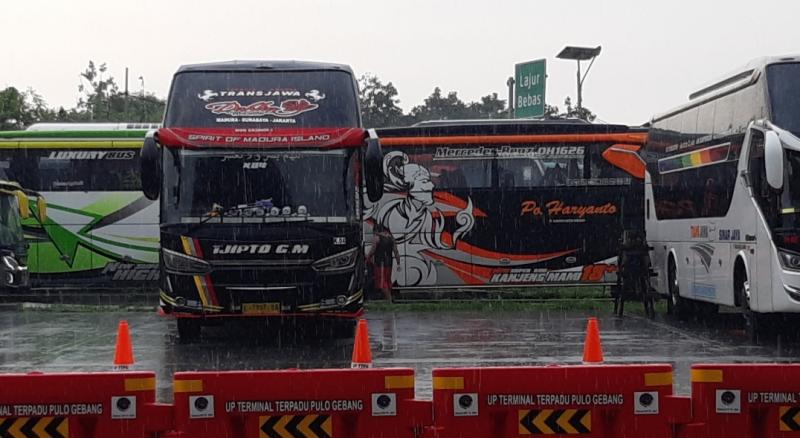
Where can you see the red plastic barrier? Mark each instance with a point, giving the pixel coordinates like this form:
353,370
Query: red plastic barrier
744,400
81,405
299,403
592,401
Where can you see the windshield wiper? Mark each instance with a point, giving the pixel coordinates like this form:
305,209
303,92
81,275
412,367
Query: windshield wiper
217,211
221,212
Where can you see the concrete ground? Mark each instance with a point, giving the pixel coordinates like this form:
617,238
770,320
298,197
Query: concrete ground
51,341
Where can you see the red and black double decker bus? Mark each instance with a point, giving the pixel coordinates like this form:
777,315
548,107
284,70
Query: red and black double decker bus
259,168
509,202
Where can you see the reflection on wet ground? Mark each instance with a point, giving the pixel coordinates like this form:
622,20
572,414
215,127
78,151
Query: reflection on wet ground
50,342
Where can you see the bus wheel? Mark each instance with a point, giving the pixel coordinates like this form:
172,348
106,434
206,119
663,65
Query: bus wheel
676,305
648,300
756,326
189,329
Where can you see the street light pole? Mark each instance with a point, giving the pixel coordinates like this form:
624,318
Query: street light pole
510,82
580,54
580,87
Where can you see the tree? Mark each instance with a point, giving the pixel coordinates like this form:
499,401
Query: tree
96,100
14,112
38,109
550,112
571,112
103,102
489,107
438,107
18,110
379,102
578,113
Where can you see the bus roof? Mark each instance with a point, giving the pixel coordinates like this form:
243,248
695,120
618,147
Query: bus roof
511,131
484,122
734,80
72,135
264,65
125,126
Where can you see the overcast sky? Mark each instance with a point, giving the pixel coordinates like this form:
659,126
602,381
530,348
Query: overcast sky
654,52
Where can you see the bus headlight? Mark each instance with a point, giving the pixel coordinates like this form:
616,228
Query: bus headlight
338,262
178,263
10,262
789,260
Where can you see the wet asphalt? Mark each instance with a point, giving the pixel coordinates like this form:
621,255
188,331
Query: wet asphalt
67,341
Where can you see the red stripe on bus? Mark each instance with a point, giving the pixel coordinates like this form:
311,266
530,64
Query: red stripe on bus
506,139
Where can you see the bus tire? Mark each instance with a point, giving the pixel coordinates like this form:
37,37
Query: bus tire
676,305
757,325
189,329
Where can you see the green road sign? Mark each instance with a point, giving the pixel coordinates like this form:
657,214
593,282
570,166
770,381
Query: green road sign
529,94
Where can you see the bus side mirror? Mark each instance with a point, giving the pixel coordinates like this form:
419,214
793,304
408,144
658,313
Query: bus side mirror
41,208
373,169
22,201
150,168
773,160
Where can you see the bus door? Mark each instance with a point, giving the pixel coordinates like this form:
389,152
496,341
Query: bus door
755,234
8,150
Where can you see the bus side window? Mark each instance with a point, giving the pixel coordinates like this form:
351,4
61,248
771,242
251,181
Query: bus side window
6,158
119,174
24,169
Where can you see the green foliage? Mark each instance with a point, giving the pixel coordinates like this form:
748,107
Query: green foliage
103,102
439,107
571,112
379,102
13,109
490,107
100,101
18,110
379,106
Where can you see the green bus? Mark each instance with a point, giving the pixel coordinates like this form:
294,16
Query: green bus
100,231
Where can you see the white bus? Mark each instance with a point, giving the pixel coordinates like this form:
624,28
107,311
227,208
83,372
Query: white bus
722,196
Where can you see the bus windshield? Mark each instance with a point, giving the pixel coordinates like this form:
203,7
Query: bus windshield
293,99
784,90
254,183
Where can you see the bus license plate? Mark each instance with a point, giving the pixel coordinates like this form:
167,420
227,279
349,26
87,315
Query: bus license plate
261,308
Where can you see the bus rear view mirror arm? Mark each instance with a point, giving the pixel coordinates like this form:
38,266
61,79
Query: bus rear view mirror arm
151,168
773,160
373,168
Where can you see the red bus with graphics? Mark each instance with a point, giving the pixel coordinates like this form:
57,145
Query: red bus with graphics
498,203
260,168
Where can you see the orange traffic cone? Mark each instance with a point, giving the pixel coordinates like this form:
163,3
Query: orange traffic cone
362,355
123,355
592,350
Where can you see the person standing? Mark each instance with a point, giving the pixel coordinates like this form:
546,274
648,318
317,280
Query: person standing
381,258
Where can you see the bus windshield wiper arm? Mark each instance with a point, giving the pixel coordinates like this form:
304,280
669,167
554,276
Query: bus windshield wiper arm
221,212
